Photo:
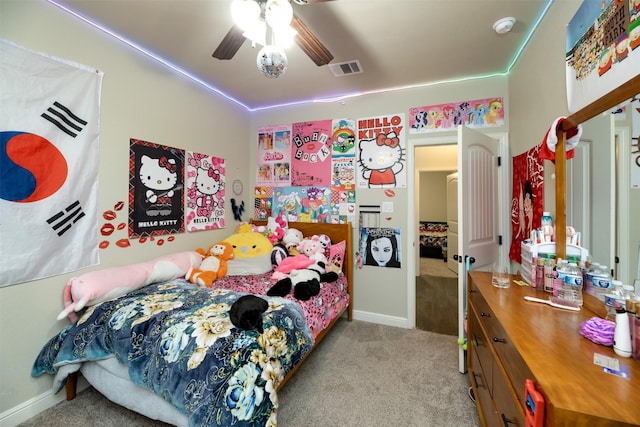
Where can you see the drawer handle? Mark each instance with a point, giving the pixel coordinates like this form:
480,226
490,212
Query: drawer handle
475,380
483,314
475,341
502,340
506,421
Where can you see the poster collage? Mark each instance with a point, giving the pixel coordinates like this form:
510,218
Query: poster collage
305,172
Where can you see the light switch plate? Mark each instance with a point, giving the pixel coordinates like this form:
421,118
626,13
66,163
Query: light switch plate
387,206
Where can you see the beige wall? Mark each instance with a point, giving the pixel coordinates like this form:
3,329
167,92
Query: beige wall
140,99
433,196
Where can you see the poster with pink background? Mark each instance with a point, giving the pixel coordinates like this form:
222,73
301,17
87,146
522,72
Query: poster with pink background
205,192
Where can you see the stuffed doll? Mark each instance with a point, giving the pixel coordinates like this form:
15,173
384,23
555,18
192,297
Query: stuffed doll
305,283
102,285
313,248
292,237
276,227
213,265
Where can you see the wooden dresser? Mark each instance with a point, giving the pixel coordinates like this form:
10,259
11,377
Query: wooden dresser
511,339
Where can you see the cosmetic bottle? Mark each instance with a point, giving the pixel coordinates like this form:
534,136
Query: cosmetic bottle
636,354
622,336
632,307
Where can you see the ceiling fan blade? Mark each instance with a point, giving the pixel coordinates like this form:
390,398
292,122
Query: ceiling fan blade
310,44
230,44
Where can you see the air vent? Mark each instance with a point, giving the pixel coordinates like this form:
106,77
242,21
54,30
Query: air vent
346,68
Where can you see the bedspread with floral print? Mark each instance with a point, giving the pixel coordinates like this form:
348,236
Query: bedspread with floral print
177,340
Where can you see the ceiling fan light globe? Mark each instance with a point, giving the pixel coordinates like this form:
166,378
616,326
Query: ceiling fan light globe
278,13
271,61
245,13
285,36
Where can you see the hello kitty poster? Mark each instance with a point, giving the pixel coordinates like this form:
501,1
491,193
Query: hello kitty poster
205,192
156,182
381,152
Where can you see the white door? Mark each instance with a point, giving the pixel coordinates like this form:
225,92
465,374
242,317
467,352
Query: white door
478,212
452,220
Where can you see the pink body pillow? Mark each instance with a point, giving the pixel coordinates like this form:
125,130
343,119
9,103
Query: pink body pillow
101,285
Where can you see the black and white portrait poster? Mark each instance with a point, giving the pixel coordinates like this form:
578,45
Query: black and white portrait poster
380,247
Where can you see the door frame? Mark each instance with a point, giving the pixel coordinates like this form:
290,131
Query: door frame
411,245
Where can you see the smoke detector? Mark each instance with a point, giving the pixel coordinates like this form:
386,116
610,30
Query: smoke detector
504,25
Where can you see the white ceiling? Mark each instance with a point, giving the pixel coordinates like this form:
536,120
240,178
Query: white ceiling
399,43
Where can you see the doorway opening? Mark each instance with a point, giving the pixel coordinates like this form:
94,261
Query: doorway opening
436,303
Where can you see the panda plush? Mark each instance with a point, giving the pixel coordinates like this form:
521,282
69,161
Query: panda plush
305,282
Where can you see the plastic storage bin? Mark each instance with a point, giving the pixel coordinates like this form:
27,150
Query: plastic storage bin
529,251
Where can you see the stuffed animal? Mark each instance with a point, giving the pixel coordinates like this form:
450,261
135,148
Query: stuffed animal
305,283
102,285
213,265
276,228
313,248
252,254
246,312
292,237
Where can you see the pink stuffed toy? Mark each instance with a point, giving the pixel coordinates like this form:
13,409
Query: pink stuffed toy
276,228
101,285
313,248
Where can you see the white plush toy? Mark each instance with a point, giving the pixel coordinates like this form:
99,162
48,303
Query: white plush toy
102,285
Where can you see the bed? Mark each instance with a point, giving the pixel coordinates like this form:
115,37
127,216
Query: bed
153,352
433,237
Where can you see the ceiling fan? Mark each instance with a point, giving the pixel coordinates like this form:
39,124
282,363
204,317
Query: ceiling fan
304,38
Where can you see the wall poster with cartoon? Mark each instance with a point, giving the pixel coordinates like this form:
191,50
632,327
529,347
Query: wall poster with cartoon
156,183
381,247
205,192
478,113
381,152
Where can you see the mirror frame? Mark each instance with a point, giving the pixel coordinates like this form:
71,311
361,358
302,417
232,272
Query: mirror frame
606,102
617,96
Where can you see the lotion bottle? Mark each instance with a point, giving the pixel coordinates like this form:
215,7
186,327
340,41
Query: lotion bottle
622,335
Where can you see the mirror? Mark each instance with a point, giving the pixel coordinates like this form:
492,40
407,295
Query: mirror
601,202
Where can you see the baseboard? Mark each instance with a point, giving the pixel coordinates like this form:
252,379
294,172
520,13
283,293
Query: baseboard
32,407
382,319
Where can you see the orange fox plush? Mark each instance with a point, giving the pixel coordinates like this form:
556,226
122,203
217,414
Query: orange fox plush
213,266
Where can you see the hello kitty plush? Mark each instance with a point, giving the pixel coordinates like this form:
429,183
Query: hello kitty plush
160,177
208,183
381,160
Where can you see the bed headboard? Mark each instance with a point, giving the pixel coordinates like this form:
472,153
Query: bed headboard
337,233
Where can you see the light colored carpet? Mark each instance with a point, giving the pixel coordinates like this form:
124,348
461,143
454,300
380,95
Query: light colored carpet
435,267
362,374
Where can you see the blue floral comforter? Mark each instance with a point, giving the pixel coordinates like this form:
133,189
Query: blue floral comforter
178,340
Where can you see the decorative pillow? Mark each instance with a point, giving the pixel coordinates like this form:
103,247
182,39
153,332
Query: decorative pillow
252,254
336,256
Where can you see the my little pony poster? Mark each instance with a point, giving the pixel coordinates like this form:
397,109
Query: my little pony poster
477,113
205,192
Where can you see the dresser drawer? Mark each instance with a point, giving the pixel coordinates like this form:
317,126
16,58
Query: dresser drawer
480,347
481,392
509,411
510,359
